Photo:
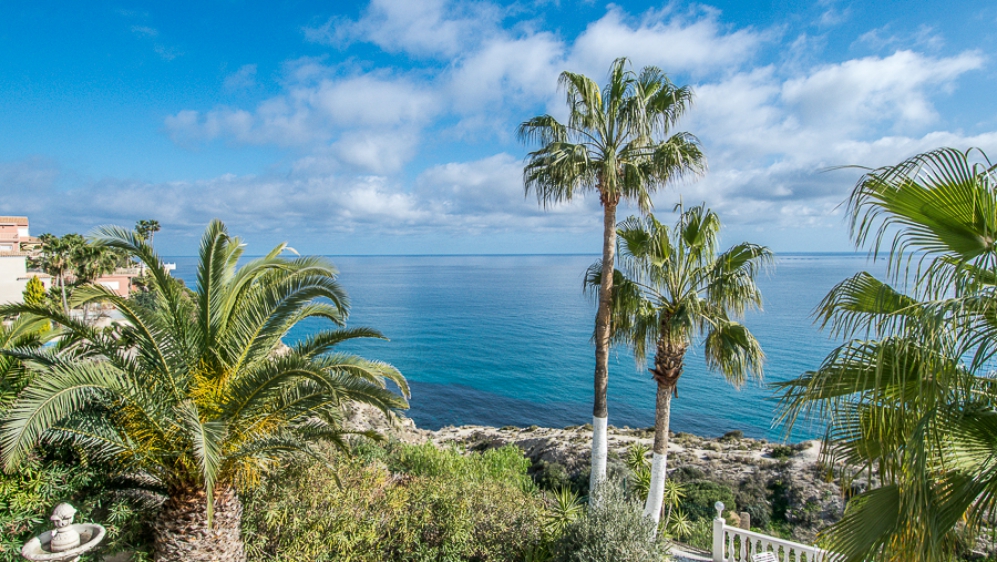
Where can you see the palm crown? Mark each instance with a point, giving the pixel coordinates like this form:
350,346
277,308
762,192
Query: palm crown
673,285
613,140
910,394
197,390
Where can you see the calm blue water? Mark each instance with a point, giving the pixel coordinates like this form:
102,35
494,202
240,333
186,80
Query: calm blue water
505,340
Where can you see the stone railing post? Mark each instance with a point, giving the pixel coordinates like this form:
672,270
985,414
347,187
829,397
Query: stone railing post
718,533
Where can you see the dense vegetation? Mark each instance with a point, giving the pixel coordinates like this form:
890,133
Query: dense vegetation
197,395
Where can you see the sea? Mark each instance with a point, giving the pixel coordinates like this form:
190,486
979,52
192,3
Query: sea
506,340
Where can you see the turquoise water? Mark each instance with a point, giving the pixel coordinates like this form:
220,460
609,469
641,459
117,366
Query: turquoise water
505,340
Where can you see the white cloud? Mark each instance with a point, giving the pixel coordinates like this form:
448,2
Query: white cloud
768,130
241,79
694,42
423,28
145,31
365,122
894,88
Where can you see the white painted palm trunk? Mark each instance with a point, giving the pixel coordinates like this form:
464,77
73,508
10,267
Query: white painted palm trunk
600,450
656,493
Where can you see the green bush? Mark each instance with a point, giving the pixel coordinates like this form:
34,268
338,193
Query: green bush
613,529
700,534
753,496
408,503
700,495
28,496
553,476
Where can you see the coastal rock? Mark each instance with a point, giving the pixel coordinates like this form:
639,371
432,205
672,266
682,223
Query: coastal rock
780,481
361,418
788,480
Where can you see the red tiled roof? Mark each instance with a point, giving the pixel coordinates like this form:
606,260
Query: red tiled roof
19,221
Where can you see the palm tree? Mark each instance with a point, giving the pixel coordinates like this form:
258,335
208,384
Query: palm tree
910,395
147,229
672,287
56,258
197,392
25,332
616,144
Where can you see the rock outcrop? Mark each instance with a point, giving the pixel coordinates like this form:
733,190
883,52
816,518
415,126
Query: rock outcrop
784,482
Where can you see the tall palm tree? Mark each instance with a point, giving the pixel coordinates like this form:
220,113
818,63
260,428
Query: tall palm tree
674,286
910,394
197,391
56,258
147,229
615,143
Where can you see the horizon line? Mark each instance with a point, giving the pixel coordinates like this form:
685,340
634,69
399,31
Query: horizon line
777,254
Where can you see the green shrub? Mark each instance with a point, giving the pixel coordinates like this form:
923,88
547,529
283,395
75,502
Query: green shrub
782,452
552,476
431,505
753,496
613,529
28,496
700,534
503,464
700,495
687,474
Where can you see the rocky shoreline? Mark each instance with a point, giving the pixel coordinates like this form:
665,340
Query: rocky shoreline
771,481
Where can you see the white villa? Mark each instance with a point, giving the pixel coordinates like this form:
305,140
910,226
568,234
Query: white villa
16,244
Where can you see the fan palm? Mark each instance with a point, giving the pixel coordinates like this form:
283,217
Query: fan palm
197,391
56,258
674,286
615,143
910,394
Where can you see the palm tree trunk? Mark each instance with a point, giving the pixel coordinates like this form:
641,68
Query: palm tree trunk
600,408
62,285
659,462
668,359
181,531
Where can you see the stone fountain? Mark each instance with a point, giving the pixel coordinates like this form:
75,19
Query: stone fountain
67,542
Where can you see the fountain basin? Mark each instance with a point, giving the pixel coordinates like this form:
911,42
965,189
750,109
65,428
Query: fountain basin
39,548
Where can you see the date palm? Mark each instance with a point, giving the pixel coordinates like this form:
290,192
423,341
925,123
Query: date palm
197,391
26,332
673,287
910,394
617,143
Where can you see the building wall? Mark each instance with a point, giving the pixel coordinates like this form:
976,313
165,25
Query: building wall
120,284
13,278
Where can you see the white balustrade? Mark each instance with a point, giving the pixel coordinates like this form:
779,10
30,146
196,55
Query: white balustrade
733,544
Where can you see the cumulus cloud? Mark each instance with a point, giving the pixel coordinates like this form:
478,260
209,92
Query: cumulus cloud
693,42
241,79
894,88
425,28
768,129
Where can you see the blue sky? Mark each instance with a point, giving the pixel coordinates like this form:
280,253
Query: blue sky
388,127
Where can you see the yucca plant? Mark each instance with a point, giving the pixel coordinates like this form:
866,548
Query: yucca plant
198,391
640,470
